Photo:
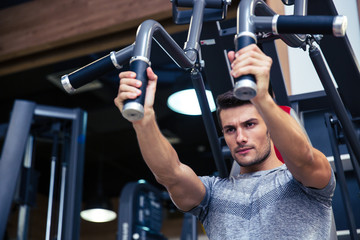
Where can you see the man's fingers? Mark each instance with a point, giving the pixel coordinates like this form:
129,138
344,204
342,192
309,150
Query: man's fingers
125,92
250,60
131,82
249,48
129,88
244,66
127,74
246,56
151,75
231,56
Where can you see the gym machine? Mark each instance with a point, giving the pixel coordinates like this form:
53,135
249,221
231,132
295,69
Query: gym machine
65,128
256,23
190,59
141,214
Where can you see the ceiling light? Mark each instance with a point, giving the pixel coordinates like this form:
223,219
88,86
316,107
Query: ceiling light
98,215
186,102
98,207
98,210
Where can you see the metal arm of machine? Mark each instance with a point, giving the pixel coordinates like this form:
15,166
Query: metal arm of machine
267,20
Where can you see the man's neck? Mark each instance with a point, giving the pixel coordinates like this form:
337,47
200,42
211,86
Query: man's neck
270,163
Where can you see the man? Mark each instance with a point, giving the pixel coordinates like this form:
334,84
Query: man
268,199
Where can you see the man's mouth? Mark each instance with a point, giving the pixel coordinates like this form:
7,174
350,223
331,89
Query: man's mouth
243,150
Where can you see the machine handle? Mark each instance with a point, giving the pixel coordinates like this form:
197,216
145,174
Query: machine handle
88,73
133,109
245,86
335,25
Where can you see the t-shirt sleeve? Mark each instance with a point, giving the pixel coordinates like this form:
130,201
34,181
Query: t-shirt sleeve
201,210
323,194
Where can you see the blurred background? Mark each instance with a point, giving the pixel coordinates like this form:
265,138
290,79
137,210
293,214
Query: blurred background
42,40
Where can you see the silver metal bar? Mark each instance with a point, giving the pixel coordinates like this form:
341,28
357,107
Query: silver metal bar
23,221
300,7
150,29
246,21
62,200
29,152
51,198
74,177
12,156
192,43
62,113
24,212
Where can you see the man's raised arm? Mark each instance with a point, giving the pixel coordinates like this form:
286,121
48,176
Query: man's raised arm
307,164
185,188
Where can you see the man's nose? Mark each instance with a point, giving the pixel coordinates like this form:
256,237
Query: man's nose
241,136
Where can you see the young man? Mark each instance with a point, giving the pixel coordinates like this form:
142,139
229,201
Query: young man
268,199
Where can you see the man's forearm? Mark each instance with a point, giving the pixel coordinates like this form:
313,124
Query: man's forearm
157,152
185,188
286,133
307,164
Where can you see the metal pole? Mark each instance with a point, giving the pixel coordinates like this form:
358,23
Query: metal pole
64,164
23,221
341,176
300,7
194,227
192,44
209,122
62,199
354,163
189,227
335,100
133,109
276,75
52,185
12,156
74,178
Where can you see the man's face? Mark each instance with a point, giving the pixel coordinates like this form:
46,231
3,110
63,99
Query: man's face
246,135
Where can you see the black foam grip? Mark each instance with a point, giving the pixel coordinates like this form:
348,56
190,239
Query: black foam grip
139,67
240,43
305,24
90,72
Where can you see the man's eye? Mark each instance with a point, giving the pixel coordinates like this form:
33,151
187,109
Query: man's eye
250,124
229,130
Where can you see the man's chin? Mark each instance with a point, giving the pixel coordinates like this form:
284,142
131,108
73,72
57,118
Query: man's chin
243,162
248,162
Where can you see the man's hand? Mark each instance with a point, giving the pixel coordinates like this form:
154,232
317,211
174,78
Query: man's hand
129,89
307,164
251,60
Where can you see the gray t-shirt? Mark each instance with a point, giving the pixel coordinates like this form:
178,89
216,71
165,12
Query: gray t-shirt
265,205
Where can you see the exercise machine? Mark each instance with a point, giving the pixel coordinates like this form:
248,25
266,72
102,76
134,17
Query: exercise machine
141,214
256,23
66,130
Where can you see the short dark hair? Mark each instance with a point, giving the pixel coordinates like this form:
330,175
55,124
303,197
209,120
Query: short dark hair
228,100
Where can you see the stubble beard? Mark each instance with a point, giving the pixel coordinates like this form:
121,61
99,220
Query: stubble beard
259,158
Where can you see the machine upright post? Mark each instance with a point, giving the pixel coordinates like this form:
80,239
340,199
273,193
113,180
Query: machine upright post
73,198
24,211
209,123
334,97
329,121
54,163
12,156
